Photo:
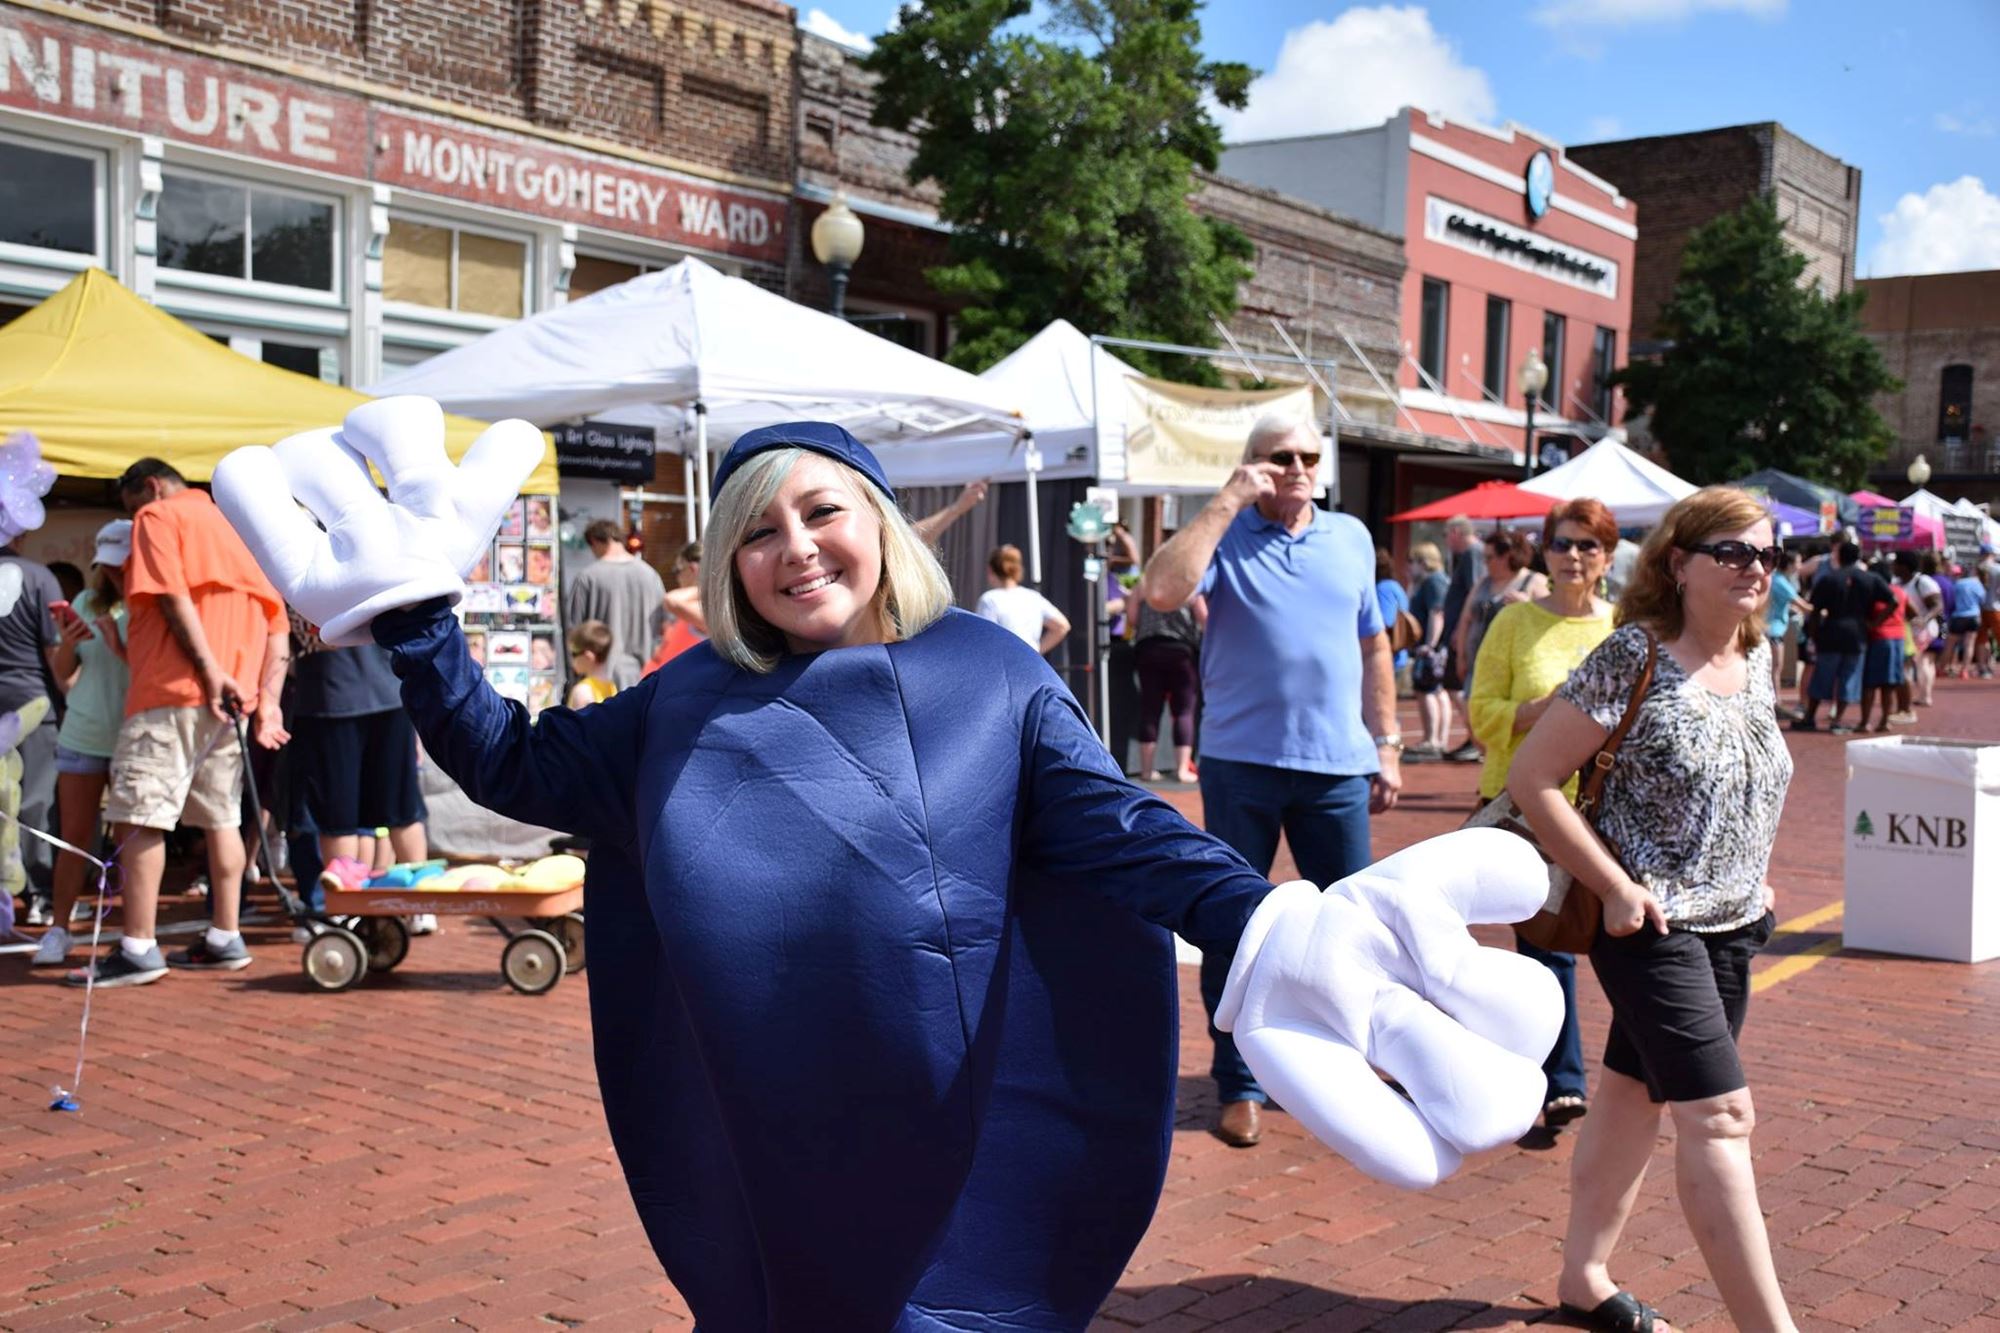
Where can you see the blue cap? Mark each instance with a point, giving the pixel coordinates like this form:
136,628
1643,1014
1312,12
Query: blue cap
822,437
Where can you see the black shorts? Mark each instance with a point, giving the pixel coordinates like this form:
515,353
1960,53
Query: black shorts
1963,625
1677,1006
356,774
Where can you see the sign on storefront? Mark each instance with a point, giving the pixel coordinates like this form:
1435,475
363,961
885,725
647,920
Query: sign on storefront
605,450
1962,533
1467,229
1887,523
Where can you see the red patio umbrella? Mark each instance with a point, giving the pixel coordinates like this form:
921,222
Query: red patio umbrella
1489,499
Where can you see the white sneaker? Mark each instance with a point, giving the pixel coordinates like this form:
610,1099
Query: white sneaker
423,923
54,948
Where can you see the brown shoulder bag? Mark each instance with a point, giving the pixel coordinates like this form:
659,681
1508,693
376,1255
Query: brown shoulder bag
1568,921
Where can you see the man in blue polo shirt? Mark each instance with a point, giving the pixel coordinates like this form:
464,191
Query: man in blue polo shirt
1298,727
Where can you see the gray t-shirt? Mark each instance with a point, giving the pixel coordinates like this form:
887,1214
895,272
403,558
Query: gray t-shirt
26,631
627,595
1692,803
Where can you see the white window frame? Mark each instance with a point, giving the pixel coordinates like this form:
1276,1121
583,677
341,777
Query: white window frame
167,276
915,314
411,312
69,260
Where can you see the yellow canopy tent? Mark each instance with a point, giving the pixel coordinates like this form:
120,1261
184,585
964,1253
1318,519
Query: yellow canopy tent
102,378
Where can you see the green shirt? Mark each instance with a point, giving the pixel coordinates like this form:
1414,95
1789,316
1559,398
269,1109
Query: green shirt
96,703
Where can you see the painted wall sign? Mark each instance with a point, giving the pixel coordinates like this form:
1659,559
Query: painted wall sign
1455,225
83,74
523,175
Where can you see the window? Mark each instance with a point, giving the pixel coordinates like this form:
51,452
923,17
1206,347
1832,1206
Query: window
233,231
1604,360
1431,342
448,269
1499,318
1954,404
593,273
1553,328
48,200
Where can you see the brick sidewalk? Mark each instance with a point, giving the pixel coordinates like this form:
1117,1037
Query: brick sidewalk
428,1150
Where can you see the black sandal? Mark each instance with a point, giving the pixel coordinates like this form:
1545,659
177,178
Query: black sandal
1622,1313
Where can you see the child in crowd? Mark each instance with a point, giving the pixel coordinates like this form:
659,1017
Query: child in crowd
590,658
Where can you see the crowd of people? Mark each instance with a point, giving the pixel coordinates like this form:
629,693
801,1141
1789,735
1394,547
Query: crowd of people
1279,620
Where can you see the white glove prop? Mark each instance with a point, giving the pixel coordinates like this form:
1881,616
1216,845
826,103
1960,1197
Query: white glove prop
374,554
1379,972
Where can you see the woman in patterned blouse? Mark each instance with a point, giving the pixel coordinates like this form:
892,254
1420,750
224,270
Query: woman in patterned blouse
1691,808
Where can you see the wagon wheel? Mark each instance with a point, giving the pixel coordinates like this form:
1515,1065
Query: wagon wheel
386,938
532,962
334,959
569,929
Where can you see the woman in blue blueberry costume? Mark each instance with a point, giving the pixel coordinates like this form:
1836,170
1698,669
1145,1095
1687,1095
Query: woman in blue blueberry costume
882,986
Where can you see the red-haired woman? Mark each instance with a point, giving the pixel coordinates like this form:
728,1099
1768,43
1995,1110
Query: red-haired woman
1525,656
1691,807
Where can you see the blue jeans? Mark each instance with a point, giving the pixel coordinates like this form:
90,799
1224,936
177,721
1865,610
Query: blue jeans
1324,818
1564,1067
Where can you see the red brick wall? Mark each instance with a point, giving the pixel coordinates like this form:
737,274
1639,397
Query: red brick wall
706,81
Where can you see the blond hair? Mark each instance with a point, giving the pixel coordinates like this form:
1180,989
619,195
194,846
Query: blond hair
1652,596
912,595
1426,554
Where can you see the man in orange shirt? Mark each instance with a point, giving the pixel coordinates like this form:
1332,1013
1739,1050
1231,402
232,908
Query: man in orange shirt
207,633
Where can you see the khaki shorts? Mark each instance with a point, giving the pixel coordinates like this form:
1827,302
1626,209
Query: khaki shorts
151,782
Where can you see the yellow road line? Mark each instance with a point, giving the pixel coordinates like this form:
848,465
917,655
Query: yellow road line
1811,919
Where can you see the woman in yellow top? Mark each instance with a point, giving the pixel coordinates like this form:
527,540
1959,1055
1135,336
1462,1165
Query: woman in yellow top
1528,652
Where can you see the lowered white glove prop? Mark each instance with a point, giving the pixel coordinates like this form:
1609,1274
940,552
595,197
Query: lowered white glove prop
374,554
1379,972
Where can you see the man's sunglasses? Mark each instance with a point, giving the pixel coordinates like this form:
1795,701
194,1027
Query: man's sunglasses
1286,457
1738,555
1564,545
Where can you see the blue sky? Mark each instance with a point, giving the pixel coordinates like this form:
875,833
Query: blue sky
1907,90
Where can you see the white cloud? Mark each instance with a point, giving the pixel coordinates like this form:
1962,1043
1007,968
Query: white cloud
1625,13
1603,127
1946,229
822,24
1971,123
1360,69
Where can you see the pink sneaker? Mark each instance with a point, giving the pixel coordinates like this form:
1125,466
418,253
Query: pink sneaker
344,872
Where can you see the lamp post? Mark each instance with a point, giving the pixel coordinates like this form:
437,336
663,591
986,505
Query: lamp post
1534,378
1919,472
836,239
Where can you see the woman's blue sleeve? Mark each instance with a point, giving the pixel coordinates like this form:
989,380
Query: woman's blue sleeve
1085,823
572,770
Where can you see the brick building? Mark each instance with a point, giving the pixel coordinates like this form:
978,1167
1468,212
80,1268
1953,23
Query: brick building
1511,248
1940,334
1681,181
347,186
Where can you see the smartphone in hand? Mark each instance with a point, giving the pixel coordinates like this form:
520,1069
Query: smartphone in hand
62,611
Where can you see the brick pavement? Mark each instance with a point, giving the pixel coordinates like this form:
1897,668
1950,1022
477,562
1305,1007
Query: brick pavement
428,1151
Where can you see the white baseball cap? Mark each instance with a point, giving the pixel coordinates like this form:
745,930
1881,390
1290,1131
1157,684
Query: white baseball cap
114,543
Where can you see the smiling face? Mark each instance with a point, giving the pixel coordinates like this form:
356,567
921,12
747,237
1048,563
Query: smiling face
811,563
1581,564
1709,585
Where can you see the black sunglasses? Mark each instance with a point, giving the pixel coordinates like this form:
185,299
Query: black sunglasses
1286,457
1738,555
1564,545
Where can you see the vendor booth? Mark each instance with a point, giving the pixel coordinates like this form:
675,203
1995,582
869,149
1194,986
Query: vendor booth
1835,509
1885,525
1637,491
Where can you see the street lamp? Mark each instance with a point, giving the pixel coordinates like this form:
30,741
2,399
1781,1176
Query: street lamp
1534,378
1919,472
836,238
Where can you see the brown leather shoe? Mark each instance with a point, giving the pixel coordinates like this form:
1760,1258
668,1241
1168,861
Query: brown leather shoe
1242,1124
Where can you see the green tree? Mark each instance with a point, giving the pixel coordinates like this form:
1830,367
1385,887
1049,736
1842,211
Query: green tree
1763,372
1065,165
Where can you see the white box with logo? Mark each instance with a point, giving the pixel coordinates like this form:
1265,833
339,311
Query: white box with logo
1923,848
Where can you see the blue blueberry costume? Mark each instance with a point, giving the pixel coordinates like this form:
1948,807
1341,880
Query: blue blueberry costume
882,992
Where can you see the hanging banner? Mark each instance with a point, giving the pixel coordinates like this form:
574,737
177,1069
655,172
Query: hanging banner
1962,533
1178,435
1887,523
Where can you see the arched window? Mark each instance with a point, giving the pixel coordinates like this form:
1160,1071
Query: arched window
1954,404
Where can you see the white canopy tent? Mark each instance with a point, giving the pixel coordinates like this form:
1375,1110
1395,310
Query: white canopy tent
1050,378
1932,505
698,354
1637,492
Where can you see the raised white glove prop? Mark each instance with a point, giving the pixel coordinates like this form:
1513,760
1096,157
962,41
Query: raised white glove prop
1379,972
374,554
